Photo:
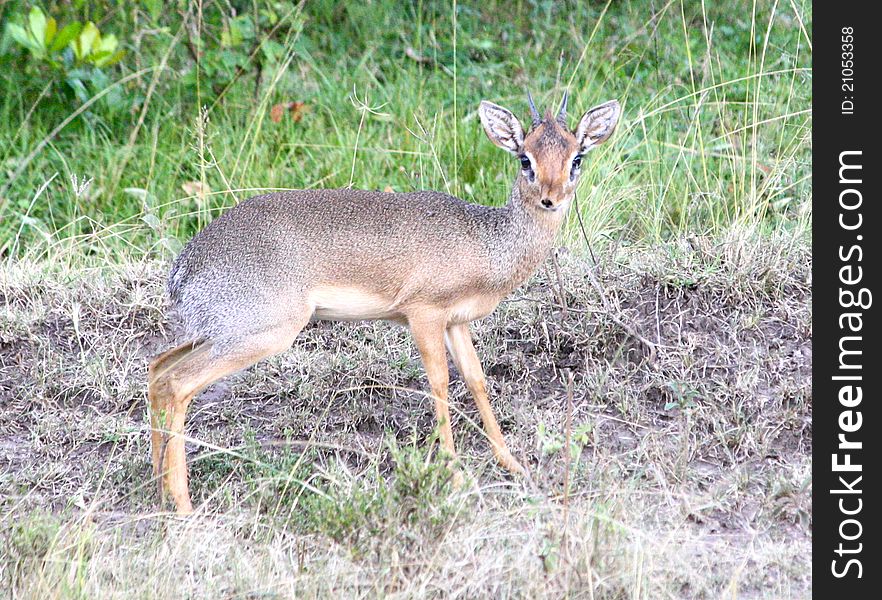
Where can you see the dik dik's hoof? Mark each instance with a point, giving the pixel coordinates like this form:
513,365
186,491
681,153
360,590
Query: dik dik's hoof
184,511
510,463
183,506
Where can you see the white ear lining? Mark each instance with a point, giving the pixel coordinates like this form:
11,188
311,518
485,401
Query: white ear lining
501,126
597,124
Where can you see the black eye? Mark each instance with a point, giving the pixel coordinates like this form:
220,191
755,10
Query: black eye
577,162
525,162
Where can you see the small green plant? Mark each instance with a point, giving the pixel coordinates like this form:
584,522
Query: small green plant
683,397
32,538
43,39
77,53
550,442
41,36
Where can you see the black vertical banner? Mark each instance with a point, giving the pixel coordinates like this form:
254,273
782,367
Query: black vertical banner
846,420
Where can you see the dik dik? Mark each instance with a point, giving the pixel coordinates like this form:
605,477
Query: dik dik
248,283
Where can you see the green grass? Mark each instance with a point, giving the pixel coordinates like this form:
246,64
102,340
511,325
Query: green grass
407,494
715,133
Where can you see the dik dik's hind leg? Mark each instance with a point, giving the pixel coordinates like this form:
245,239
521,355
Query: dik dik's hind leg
158,404
175,378
459,342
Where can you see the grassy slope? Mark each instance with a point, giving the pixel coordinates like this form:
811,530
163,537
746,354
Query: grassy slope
689,472
692,475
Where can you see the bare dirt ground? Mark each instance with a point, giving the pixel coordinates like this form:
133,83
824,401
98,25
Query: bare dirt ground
689,470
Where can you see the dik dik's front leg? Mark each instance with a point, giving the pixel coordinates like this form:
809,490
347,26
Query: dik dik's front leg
428,333
459,342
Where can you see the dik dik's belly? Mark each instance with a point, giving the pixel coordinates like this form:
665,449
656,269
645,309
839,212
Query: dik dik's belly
471,308
339,303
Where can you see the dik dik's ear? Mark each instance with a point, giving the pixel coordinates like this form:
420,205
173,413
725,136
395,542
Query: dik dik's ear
502,127
597,125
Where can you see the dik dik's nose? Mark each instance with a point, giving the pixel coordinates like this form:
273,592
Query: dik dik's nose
547,203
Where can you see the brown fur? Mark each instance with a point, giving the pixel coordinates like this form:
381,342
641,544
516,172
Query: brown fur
557,146
247,284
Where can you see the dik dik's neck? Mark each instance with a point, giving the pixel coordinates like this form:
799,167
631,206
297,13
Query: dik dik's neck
527,236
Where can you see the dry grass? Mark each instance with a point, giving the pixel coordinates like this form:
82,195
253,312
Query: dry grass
689,472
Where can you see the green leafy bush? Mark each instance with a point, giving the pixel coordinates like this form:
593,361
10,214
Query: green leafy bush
75,54
238,44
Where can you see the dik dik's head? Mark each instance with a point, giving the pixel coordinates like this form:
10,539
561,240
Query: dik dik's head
550,153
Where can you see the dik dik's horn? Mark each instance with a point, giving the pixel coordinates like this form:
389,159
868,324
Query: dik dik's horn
534,114
562,114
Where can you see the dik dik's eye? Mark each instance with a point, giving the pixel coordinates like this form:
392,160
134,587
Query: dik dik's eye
527,166
577,164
